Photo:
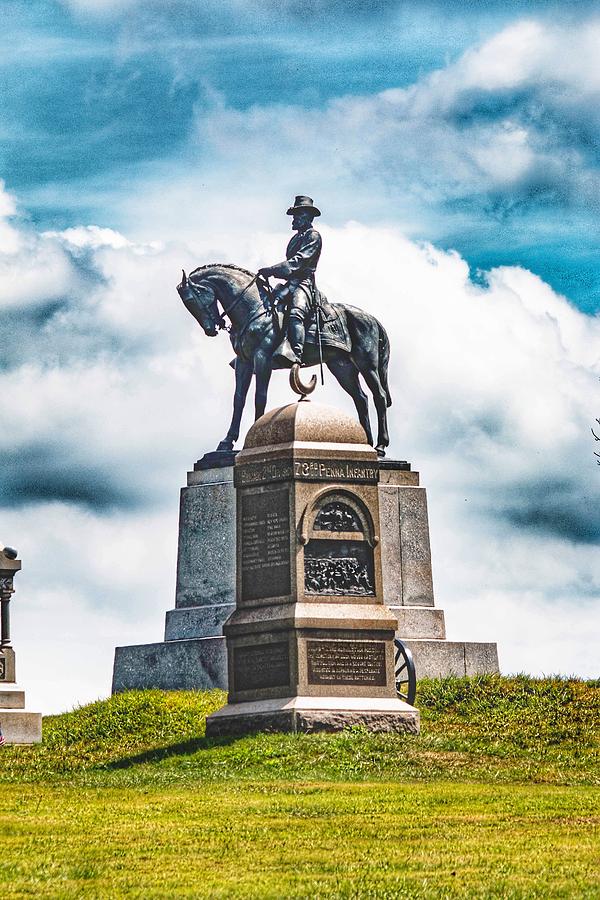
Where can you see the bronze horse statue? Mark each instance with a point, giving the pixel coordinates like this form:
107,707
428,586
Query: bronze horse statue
213,291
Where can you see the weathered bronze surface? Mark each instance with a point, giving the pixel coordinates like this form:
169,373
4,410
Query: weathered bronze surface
337,516
346,662
349,341
261,666
305,470
265,545
338,568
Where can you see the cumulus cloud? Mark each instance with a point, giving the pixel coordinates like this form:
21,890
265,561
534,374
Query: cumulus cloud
110,396
512,124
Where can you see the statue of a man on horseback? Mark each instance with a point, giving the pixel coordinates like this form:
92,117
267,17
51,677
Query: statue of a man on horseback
297,295
349,341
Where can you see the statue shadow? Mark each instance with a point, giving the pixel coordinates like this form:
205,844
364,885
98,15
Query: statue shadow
158,754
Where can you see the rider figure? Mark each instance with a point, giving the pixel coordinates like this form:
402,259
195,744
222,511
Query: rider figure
298,275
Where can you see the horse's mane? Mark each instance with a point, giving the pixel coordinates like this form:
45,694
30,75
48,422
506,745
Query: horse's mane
222,266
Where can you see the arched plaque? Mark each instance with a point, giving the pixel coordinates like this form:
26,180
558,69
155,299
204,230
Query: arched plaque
338,554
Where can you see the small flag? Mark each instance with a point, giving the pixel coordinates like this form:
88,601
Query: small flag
2,740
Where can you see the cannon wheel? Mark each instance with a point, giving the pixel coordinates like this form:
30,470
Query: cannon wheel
404,667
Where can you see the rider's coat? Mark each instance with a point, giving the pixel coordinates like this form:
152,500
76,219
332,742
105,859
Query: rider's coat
302,256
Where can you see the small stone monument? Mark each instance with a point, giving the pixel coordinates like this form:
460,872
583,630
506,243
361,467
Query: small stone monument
17,726
310,644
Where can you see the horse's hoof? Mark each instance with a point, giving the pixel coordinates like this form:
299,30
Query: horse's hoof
225,446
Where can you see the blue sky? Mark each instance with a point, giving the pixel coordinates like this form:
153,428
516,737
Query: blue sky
454,151
100,96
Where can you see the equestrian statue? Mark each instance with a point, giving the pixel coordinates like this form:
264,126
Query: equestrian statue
291,324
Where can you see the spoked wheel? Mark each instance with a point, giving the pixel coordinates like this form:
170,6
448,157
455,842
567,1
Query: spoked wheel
406,679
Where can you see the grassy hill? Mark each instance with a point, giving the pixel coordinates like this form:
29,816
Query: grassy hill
498,797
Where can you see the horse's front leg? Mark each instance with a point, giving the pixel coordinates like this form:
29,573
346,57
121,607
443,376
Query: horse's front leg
263,367
243,377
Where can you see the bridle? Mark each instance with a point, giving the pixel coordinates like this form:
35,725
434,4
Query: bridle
219,324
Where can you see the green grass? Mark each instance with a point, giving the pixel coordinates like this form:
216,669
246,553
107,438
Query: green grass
498,797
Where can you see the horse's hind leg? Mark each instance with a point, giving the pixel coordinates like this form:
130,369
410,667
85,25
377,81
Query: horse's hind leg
347,375
243,377
380,398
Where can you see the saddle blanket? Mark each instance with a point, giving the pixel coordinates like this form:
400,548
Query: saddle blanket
334,328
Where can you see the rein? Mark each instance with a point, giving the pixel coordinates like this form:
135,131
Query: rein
258,279
218,322
235,303
261,312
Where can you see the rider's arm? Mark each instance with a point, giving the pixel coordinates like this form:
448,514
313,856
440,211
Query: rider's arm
307,254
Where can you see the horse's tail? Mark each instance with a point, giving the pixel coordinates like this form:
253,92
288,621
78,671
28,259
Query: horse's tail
383,361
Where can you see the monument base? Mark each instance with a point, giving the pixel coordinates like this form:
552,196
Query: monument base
193,656
441,658
309,714
190,665
20,727
17,725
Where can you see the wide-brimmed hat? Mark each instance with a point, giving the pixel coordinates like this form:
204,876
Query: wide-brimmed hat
303,204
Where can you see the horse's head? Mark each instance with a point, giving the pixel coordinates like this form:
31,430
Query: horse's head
200,299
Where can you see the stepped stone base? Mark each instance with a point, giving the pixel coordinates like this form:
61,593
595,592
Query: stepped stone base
193,655
439,658
308,714
201,663
196,621
420,622
11,697
197,664
20,727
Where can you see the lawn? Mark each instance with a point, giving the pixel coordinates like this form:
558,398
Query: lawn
498,797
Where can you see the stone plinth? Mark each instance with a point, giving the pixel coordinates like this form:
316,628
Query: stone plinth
193,652
206,551
186,665
21,727
310,629
408,581
436,659
308,714
193,655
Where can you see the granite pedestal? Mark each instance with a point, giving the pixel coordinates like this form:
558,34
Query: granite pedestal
408,581
192,655
310,644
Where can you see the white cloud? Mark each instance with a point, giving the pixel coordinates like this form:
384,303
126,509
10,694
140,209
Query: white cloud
100,7
90,236
10,242
494,390
508,124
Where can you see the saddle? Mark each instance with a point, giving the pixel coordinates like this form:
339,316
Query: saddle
334,329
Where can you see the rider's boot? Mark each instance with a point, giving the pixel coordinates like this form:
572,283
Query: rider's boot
284,356
289,352
296,333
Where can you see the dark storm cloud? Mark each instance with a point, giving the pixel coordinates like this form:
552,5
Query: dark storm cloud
555,507
60,332
41,472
